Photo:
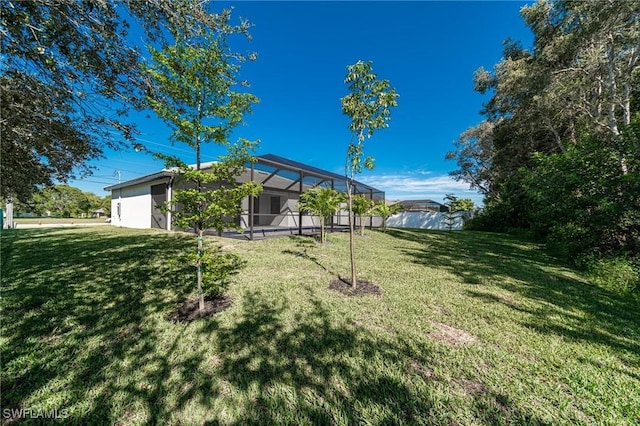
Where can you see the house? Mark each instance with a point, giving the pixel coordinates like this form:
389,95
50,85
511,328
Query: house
97,212
135,203
422,206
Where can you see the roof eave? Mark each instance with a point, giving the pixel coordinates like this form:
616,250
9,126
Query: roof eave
143,179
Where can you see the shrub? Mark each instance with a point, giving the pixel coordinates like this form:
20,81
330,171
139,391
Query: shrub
618,274
218,267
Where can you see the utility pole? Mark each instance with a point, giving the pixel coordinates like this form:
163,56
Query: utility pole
10,212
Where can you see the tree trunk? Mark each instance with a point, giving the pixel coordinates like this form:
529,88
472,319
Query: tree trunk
199,266
200,231
612,107
322,237
352,249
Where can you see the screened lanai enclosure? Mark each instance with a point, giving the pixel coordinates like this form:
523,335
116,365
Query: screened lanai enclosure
275,210
135,203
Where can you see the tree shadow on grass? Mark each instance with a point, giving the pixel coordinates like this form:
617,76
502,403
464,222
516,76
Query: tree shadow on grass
306,370
84,330
80,311
524,268
339,284
303,245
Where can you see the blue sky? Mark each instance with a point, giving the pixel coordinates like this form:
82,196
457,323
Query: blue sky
427,50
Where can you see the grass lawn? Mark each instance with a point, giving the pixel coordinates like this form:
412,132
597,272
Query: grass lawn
471,328
56,220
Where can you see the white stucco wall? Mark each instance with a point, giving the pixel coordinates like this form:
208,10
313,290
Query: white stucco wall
367,221
343,219
135,206
424,220
132,207
289,215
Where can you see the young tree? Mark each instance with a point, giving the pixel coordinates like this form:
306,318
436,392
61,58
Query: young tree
450,214
368,105
322,202
385,211
462,205
458,208
194,90
361,207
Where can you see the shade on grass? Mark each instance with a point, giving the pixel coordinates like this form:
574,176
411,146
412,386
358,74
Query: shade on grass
470,328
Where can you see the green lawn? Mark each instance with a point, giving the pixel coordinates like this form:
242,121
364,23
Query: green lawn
56,220
471,328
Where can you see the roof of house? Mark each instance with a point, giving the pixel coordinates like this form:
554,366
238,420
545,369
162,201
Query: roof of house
305,168
266,164
419,204
142,179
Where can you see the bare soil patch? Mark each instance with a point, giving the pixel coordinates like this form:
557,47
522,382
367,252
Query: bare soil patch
472,387
362,288
189,311
427,373
451,335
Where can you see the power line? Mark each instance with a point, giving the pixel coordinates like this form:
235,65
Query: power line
116,160
105,177
93,181
118,168
156,143
171,147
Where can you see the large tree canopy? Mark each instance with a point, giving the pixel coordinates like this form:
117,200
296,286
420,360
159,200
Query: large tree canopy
559,150
581,77
70,74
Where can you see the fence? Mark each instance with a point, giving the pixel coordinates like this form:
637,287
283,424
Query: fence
428,220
